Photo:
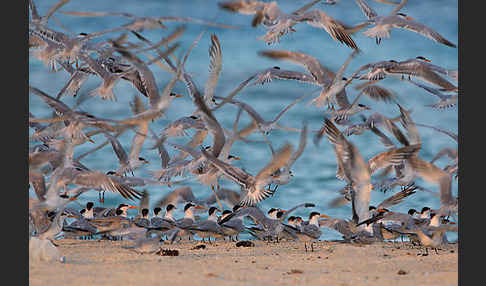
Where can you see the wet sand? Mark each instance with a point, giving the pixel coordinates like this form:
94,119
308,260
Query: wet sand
90,262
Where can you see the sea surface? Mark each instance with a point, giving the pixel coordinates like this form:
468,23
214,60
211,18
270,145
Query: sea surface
314,171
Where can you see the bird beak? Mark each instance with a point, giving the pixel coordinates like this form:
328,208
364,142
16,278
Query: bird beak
73,198
284,211
179,95
410,18
200,207
451,222
381,211
323,215
73,216
132,207
367,108
427,60
236,158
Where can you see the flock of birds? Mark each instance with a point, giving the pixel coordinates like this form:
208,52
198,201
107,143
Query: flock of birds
58,177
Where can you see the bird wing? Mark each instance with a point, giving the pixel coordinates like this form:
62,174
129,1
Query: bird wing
334,28
320,73
392,157
397,198
215,66
366,9
179,195
234,173
98,180
421,29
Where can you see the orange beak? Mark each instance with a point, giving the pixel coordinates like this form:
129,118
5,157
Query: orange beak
73,198
236,158
410,18
381,211
427,60
179,95
323,215
72,216
132,207
199,207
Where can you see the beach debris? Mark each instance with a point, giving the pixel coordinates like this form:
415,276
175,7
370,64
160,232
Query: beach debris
211,275
199,246
402,272
168,252
245,243
295,271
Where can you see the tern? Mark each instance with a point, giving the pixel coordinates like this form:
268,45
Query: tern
383,24
254,186
209,227
279,23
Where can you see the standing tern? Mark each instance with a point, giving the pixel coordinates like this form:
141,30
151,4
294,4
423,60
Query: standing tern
234,226
311,232
182,225
209,227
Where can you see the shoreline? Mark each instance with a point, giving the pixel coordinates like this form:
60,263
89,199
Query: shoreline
91,262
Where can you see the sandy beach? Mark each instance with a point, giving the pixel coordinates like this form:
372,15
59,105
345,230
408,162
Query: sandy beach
91,262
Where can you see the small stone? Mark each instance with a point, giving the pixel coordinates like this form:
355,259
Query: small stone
295,271
402,272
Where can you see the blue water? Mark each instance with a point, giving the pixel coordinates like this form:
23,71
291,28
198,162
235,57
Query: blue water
314,172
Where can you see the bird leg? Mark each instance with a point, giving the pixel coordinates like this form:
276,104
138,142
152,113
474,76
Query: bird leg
436,251
426,252
305,245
